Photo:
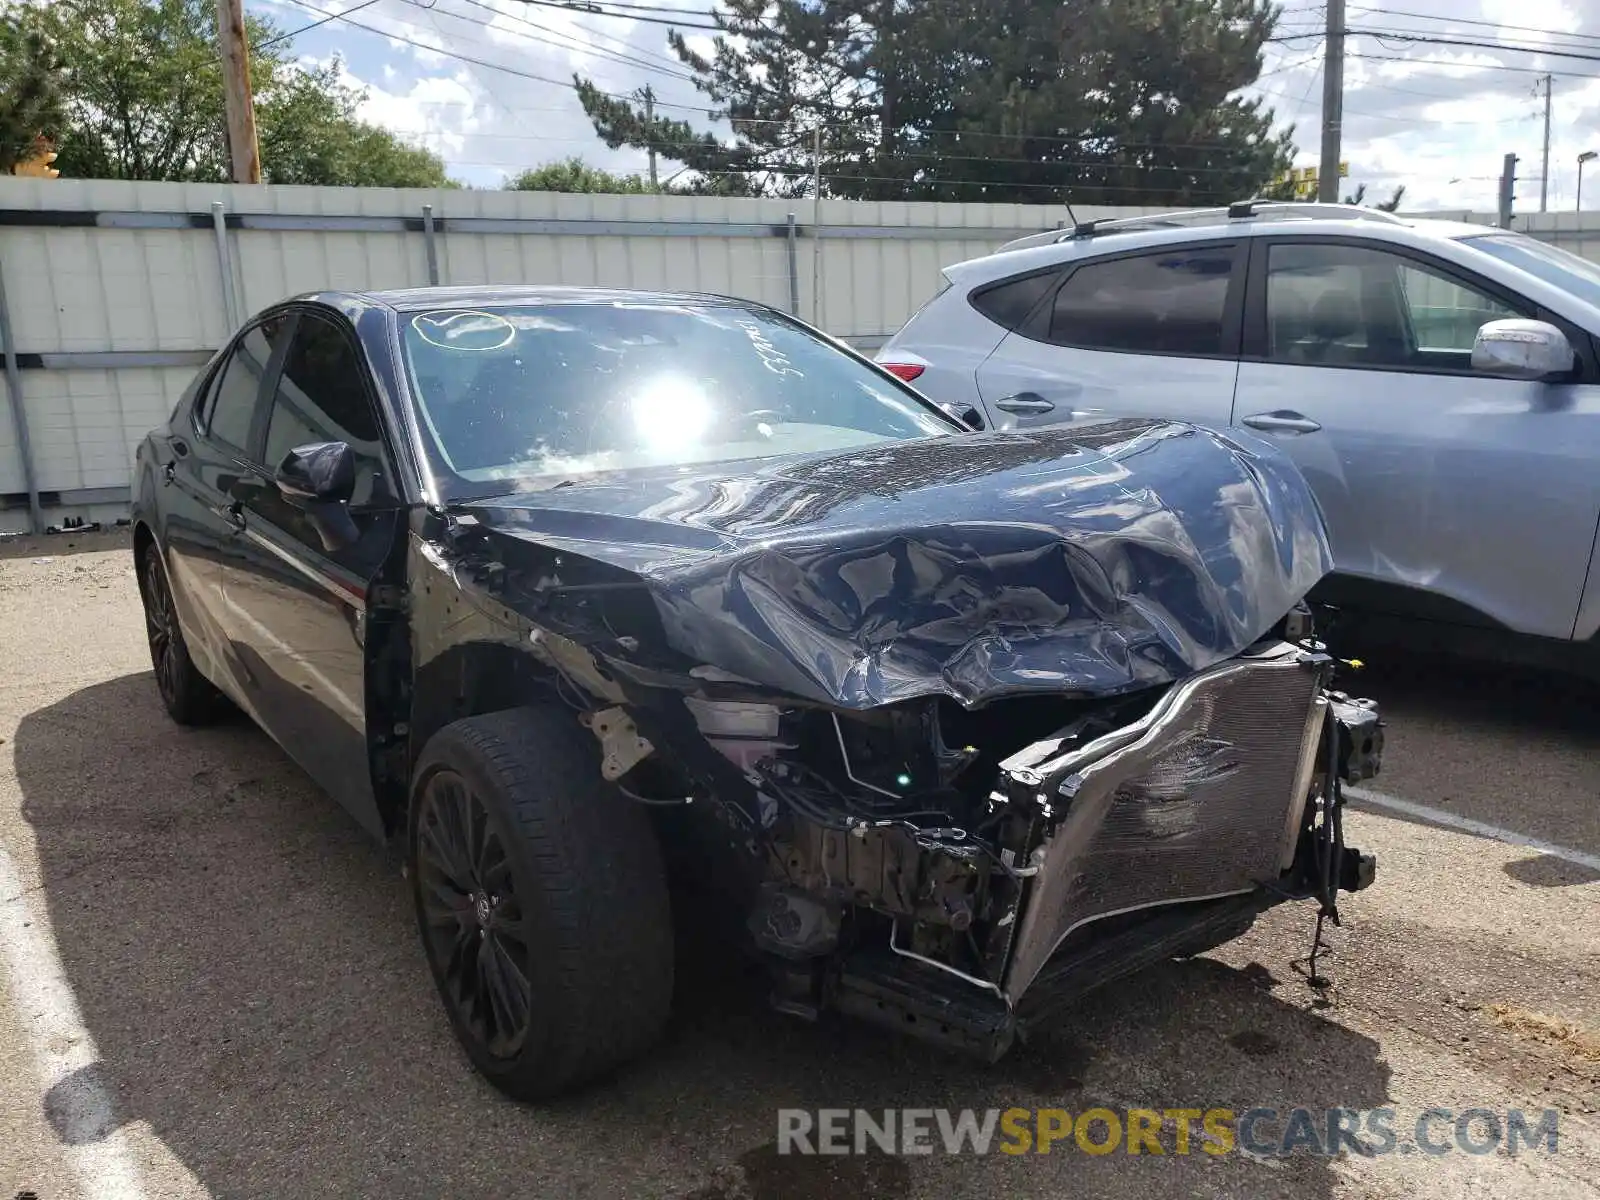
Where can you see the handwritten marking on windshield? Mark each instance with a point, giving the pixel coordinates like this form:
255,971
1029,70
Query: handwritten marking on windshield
771,357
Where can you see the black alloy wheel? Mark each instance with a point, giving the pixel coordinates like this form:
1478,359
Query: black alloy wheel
474,929
189,697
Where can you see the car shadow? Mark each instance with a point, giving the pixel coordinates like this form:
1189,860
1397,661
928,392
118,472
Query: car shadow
1504,745
244,959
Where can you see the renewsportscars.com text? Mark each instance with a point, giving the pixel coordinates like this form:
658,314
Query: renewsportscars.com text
1265,1132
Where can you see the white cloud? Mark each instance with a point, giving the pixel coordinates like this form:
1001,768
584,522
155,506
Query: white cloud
1436,118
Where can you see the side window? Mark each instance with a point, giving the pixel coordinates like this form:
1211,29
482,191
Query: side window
322,397
1008,304
1171,302
1339,305
229,407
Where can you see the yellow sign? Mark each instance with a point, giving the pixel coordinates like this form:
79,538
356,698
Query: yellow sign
37,164
1302,181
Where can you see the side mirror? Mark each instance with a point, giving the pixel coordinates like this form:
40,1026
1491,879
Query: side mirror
1519,349
320,479
965,413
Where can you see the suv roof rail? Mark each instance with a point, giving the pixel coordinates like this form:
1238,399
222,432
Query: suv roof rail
1309,210
1239,210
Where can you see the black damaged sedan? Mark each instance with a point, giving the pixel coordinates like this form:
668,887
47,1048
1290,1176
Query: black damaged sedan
571,591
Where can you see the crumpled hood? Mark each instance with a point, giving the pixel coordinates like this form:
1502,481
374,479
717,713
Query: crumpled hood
1088,559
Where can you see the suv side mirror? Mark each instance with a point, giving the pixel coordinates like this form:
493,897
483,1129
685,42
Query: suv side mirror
965,413
1520,349
320,479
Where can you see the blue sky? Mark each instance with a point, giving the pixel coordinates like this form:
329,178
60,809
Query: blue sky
1436,118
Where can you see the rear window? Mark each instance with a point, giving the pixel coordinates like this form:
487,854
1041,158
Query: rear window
548,391
1008,304
1170,302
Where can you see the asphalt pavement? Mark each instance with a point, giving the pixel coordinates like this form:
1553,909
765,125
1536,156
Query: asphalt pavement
212,986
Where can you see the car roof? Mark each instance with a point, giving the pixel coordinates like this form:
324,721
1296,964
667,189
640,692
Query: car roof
1285,219
502,295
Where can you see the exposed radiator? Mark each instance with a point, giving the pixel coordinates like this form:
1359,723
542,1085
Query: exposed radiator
1201,798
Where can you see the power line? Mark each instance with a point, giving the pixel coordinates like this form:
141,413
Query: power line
604,53
1425,62
1431,40
467,58
284,37
594,10
1390,12
629,47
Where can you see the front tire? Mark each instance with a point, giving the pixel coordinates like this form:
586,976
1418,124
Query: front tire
189,697
541,902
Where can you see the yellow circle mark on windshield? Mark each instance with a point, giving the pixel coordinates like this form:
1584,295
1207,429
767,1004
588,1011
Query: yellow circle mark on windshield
464,329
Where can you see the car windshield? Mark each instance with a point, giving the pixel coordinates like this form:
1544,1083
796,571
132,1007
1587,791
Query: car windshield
522,397
1550,263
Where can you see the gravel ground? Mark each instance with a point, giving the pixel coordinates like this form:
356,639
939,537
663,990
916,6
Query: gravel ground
247,999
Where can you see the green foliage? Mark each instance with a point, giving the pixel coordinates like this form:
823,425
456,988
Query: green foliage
30,84
142,96
1392,204
1094,101
575,175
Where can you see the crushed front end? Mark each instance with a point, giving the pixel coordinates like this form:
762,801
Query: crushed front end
959,875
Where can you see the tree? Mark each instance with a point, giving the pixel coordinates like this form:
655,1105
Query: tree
30,85
1095,101
575,175
142,95
1392,204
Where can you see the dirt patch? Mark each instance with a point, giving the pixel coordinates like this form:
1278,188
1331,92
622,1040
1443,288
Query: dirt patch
1577,1040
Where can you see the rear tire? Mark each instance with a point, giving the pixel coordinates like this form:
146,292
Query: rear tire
190,698
541,902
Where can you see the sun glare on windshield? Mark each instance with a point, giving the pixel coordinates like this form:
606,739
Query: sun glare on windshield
529,393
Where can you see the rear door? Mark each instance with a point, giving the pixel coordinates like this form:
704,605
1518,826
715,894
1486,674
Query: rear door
298,608
1449,493
206,460
1147,333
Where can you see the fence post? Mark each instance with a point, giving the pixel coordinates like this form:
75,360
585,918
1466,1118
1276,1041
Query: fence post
19,417
428,241
794,271
230,302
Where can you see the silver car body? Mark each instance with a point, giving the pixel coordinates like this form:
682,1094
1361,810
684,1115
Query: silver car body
1471,495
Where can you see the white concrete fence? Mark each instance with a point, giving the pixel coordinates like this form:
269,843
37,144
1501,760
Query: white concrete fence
112,293
116,291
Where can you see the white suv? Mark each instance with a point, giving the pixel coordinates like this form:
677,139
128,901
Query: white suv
1438,383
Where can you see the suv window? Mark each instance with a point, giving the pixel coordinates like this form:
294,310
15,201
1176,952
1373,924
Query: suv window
1168,302
231,404
322,397
1008,304
1340,305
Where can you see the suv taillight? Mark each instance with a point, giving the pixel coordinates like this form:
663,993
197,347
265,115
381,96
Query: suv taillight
906,371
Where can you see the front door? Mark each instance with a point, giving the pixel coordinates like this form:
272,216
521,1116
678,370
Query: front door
297,607
1151,334
1463,495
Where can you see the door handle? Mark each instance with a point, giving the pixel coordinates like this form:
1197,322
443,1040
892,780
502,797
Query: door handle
1025,402
168,474
233,514
1282,421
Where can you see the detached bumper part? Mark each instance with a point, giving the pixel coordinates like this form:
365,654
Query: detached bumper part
1200,799
1360,737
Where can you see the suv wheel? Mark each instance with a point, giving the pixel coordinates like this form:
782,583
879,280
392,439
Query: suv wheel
541,902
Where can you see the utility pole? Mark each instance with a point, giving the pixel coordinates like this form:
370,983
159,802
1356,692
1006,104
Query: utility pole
1332,103
243,151
648,95
1508,189
816,225
1544,175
